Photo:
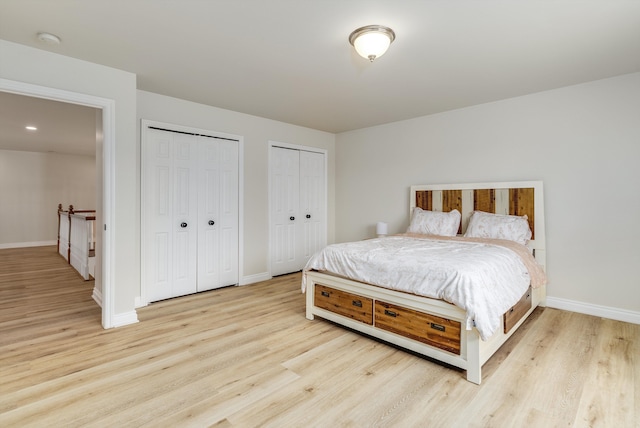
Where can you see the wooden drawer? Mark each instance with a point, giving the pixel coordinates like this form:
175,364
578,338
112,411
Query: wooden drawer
513,315
430,329
346,304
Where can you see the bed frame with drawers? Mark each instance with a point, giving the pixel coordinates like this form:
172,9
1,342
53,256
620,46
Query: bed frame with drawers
432,327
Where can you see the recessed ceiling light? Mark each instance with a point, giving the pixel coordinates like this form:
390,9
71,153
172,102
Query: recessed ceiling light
49,38
30,128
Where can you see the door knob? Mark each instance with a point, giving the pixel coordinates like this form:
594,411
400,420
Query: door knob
292,218
308,215
183,224
211,222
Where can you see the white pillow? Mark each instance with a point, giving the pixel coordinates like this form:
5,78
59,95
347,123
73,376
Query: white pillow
498,226
434,222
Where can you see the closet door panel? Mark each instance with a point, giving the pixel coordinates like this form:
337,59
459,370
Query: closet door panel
312,202
229,211
162,252
218,214
209,215
162,246
158,224
209,259
285,193
185,228
228,259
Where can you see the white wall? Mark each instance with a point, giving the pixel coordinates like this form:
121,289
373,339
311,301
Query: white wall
37,67
24,64
583,141
257,132
32,185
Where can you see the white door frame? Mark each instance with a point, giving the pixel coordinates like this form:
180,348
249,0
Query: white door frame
271,145
144,125
108,178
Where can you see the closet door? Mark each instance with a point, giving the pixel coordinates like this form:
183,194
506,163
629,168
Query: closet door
285,193
170,203
184,224
217,214
229,212
298,208
312,204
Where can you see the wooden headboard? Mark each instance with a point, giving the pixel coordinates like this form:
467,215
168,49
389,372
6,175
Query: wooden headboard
513,198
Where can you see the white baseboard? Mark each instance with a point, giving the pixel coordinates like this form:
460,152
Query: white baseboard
251,279
595,310
97,296
125,318
119,320
28,244
246,280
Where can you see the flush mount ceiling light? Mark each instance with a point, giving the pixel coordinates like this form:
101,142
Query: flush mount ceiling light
30,128
372,41
49,38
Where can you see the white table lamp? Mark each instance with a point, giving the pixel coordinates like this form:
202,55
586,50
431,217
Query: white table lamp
381,229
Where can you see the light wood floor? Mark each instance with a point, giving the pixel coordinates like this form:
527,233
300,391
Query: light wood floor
246,356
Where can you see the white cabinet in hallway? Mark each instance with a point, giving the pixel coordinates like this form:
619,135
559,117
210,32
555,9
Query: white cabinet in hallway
298,207
189,213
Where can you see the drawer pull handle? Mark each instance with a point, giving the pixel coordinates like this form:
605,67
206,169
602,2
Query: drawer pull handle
438,327
325,293
357,303
390,313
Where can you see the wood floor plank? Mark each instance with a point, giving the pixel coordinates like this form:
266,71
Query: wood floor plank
247,356
517,380
611,394
318,390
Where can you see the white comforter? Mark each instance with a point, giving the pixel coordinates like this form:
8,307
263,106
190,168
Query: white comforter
484,279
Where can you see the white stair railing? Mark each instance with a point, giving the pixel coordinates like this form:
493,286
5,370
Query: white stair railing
76,239
63,233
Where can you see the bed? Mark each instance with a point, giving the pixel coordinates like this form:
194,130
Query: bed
443,321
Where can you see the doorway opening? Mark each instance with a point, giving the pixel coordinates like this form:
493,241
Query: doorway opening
105,164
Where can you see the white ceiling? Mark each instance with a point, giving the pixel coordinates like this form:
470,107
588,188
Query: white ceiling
62,128
290,60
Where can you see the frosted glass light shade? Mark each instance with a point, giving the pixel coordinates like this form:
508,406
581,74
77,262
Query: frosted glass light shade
372,41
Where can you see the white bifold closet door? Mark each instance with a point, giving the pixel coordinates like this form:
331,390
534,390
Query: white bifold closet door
190,214
217,214
298,208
